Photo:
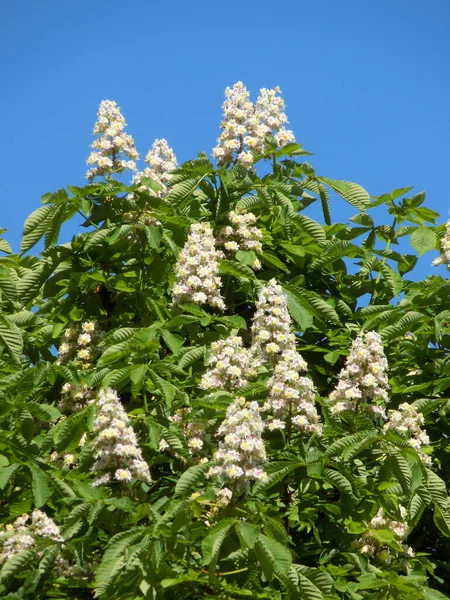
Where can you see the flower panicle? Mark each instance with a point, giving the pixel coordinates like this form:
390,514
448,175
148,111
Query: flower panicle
118,456
197,269
363,382
114,150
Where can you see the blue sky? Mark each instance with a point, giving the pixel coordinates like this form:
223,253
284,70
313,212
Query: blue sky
367,85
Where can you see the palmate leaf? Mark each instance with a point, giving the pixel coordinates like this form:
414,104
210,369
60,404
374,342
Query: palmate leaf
212,544
15,563
114,558
190,478
41,485
11,337
402,326
353,193
36,225
309,226
348,443
273,556
277,471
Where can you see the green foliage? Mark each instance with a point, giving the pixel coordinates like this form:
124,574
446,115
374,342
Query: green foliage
296,535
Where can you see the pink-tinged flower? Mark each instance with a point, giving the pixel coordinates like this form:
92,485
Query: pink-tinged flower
271,328
114,150
230,365
408,421
241,449
364,378
161,161
199,255
116,449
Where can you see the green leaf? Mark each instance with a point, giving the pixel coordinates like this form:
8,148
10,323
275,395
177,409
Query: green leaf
190,478
248,533
424,239
36,225
299,311
272,556
212,544
114,557
191,356
173,341
15,563
11,337
6,473
41,485
352,193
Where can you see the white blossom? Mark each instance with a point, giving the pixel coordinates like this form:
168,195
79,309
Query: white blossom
230,365
161,161
241,234
245,125
237,109
369,544
197,269
364,378
116,449
444,258
408,421
292,396
268,119
271,328
241,450
114,150
25,531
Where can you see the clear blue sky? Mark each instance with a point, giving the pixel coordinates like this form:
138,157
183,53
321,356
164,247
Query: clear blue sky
366,83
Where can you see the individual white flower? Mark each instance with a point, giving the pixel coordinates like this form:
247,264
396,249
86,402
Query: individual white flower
271,328
407,421
444,258
197,269
163,445
116,447
161,161
241,449
364,380
224,496
114,150
229,366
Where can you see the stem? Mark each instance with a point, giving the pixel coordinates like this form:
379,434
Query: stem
383,262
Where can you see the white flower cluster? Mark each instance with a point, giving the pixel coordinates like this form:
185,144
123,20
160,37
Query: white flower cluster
23,534
161,161
241,451
364,377
292,396
116,448
75,397
230,365
407,420
79,345
444,258
245,126
196,270
368,544
269,119
193,430
237,109
113,151
271,328
241,235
